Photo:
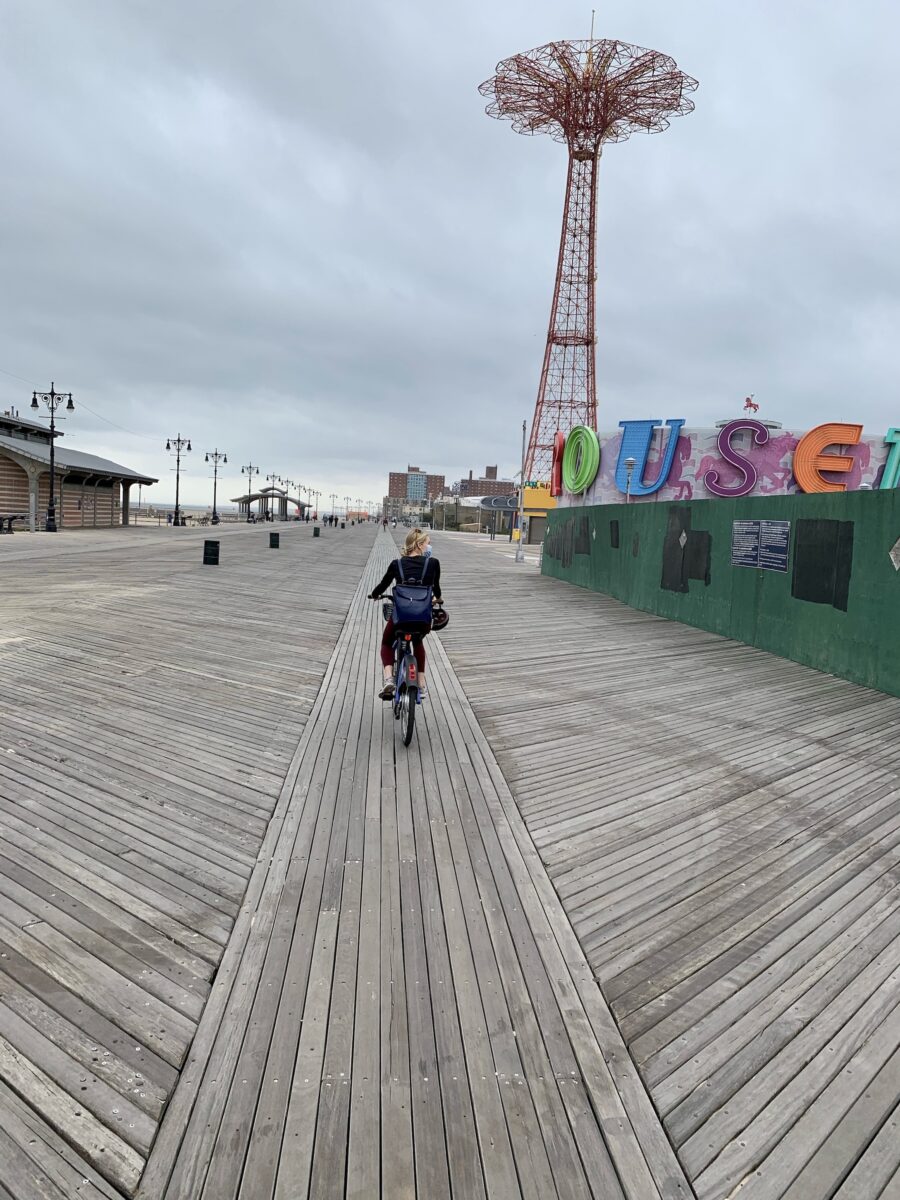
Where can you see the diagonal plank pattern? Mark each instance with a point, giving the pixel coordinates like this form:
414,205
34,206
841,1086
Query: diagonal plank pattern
150,711
723,829
403,1009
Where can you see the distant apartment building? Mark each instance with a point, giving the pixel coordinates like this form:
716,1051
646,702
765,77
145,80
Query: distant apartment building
414,485
487,485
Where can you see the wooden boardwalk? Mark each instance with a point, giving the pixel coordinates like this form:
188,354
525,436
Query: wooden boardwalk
338,968
723,828
150,709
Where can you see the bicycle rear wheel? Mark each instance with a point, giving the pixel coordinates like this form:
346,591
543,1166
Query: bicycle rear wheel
408,713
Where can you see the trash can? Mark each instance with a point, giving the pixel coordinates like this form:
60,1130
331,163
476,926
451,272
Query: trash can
343,524
273,540
315,531
210,553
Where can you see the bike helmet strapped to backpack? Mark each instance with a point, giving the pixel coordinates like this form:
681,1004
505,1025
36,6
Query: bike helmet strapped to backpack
440,618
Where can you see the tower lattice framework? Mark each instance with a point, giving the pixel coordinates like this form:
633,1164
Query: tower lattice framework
583,93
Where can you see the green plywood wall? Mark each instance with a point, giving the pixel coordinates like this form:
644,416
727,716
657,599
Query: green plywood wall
759,607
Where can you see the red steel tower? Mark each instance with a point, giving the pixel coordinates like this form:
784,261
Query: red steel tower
584,94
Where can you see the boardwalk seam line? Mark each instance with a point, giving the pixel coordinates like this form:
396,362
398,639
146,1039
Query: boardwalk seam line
587,989
176,1119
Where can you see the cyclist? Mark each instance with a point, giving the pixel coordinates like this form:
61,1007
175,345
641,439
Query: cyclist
419,566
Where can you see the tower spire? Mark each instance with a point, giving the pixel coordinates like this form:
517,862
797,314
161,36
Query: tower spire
583,94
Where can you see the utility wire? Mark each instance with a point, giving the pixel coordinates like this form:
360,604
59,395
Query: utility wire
100,417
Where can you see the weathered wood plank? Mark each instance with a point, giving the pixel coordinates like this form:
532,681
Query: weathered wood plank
723,830
384,1021
133,821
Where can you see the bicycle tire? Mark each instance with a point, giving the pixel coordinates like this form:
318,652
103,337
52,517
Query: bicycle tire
408,722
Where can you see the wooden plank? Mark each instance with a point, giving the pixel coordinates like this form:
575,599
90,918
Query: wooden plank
729,867
184,1148
53,1156
106,1152
877,1171
374,1028
133,824
141,1090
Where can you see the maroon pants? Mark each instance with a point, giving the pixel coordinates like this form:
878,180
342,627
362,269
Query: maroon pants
387,647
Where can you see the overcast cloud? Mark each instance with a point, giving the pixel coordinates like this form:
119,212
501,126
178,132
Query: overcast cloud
289,230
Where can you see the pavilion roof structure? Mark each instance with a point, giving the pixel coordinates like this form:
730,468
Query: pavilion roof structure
72,460
267,493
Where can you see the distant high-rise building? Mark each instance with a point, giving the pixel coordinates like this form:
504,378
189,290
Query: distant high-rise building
487,485
414,485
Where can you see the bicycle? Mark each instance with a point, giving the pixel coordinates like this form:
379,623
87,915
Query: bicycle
407,694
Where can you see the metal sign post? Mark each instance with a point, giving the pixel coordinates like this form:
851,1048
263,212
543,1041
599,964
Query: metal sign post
520,548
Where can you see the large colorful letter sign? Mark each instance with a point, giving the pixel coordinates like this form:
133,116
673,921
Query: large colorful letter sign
581,460
890,477
810,461
636,438
744,465
559,449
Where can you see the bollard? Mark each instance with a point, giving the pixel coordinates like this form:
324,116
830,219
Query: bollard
274,540
210,553
315,531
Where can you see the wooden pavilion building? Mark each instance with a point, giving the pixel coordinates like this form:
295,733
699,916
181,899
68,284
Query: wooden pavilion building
91,492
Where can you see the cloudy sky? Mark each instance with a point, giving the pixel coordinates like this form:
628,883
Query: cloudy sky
289,230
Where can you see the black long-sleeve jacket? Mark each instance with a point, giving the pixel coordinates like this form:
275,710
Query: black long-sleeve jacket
413,571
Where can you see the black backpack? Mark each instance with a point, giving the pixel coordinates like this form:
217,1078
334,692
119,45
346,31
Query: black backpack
412,601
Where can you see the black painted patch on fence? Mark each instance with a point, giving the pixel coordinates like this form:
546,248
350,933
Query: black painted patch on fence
614,534
559,542
674,575
698,555
583,535
687,553
567,538
823,562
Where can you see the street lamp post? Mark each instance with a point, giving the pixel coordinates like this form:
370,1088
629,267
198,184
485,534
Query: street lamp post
249,471
178,444
629,471
53,399
520,548
270,499
346,508
216,456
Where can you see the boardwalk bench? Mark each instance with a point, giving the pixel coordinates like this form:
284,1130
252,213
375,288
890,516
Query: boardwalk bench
9,518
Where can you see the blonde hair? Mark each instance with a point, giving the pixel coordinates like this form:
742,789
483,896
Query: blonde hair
415,543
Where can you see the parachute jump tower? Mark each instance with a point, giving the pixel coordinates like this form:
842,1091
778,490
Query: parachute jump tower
583,93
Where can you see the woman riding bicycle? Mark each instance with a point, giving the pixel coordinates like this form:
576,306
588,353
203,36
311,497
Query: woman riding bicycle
417,565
